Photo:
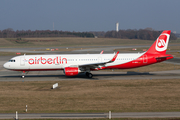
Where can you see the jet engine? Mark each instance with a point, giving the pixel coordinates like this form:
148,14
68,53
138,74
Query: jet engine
71,71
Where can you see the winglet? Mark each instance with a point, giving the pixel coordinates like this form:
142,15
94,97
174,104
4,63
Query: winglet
114,58
102,52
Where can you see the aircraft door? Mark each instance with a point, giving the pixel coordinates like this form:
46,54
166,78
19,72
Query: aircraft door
145,60
22,61
99,59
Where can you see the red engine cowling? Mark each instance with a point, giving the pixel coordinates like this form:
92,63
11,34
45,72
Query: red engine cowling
71,71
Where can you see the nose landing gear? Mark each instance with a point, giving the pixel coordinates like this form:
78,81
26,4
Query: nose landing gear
23,74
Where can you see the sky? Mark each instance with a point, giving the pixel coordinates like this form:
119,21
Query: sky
89,15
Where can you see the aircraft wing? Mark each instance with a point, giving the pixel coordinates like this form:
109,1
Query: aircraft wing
95,65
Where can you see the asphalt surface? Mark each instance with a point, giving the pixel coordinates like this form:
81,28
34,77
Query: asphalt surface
98,75
84,49
7,75
93,115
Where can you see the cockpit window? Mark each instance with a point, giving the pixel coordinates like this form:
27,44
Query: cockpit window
11,60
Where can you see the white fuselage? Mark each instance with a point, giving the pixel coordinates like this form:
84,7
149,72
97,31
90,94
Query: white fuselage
60,61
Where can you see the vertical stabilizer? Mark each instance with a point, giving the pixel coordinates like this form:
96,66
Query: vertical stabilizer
161,43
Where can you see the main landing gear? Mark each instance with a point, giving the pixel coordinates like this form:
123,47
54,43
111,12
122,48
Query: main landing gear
89,75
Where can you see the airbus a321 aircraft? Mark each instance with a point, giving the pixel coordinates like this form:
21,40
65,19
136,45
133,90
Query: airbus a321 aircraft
73,64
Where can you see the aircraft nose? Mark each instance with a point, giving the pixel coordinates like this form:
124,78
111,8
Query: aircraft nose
6,65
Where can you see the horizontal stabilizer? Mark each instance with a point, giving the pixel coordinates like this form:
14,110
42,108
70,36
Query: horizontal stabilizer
163,57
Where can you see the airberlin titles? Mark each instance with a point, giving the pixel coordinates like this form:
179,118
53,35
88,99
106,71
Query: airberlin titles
41,60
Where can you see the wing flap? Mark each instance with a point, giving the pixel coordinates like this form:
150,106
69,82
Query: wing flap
94,65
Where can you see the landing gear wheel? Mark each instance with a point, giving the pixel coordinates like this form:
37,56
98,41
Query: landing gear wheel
89,75
23,74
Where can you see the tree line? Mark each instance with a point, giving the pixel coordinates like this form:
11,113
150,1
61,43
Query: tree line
144,34
10,33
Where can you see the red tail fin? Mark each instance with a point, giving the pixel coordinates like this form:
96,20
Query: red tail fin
160,45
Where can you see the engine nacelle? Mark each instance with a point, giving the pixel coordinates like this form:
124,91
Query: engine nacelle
71,71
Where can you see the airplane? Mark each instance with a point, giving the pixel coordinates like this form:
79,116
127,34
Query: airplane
73,64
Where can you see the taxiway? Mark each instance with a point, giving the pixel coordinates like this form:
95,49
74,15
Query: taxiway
94,115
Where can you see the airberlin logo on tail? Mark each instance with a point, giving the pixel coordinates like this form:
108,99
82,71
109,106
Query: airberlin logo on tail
161,43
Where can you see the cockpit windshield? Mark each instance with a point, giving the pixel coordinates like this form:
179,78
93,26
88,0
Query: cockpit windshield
11,60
